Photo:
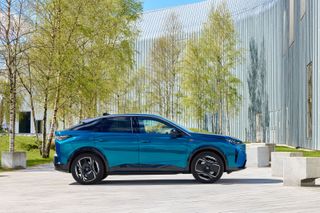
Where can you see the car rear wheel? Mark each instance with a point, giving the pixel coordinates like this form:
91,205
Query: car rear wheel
87,169
207,167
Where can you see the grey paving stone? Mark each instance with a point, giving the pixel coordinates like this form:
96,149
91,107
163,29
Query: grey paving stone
251,190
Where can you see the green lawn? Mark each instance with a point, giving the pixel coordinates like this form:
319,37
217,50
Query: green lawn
28,144
306,153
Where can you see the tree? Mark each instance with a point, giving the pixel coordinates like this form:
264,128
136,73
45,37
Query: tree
14,31
195,83
78,60
106,55
215,55
166,60
51,56
4,101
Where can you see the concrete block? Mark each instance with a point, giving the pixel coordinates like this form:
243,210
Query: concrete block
257,156
14,160
300,171
277,161
271,147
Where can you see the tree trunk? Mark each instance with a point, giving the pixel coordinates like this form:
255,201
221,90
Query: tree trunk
12,123
44,126
220,116
64,120
1,112
34,116
213,123
228,119
54,120
12,77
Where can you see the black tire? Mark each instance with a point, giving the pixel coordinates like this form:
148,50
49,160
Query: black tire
105,176
207,167
87,169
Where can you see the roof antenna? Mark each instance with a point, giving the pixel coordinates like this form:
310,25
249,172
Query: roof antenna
106,114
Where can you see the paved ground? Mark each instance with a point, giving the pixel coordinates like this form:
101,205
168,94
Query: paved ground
252,190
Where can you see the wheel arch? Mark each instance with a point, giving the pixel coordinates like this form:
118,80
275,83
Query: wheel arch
207,149
88,150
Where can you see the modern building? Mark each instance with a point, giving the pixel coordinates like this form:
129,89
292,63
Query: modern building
281,42
281,39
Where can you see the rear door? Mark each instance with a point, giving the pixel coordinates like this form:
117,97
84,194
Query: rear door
119,144
159,151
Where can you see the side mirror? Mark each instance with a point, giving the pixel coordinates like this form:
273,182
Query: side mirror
175,133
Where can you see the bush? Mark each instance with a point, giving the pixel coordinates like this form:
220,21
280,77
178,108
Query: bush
29,147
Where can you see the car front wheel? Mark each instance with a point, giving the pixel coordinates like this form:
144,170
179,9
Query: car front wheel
207,167
87,169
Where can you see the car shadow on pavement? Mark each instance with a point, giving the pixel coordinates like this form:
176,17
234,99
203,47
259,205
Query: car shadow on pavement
184,182
145,182
249,181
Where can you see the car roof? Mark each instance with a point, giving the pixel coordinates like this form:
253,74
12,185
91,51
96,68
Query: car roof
120,115
140,115
130,115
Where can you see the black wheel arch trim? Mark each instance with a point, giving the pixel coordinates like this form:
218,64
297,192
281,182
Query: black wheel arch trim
207,149
91,150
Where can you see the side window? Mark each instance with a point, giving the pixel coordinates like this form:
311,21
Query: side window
90,126
151,126
116,125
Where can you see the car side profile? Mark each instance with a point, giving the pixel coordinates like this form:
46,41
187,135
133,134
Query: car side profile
144,144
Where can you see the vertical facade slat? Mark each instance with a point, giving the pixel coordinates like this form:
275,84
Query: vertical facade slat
265,21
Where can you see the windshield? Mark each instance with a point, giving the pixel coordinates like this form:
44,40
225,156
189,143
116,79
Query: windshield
179,125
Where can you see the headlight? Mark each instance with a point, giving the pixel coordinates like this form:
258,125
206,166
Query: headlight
63,137
234,141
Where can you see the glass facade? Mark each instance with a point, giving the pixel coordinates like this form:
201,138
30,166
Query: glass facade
286,37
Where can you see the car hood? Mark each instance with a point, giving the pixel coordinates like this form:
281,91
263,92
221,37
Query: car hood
210,137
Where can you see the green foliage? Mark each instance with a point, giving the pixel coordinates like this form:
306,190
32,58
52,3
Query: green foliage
24,143
82,52
195,81
165,72
106,56
306,153
5,102
208,79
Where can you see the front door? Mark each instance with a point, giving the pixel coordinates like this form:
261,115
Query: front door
159,150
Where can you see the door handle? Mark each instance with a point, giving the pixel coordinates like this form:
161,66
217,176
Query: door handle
146,141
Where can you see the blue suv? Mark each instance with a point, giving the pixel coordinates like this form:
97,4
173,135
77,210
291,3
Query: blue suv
144,144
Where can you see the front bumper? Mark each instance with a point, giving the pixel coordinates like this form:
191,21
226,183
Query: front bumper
58,166
240,159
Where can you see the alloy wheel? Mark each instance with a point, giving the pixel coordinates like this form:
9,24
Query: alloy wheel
207,168
87,169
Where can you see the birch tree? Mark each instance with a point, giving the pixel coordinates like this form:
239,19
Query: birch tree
82,50
215,55
166,61
14,31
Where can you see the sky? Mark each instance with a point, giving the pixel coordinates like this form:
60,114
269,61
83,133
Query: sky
157,4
